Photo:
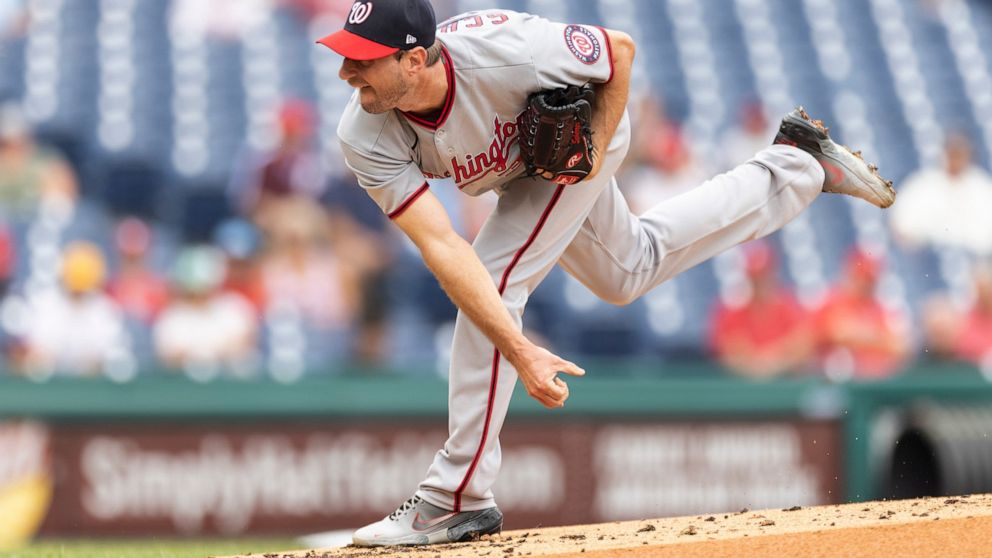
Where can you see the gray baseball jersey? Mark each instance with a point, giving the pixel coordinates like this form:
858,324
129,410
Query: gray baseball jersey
494,60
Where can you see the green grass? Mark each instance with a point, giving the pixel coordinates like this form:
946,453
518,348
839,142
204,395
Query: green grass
150,548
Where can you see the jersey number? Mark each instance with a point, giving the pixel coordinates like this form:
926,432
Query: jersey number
472,21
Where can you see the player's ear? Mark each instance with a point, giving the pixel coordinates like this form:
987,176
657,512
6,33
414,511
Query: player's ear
415,59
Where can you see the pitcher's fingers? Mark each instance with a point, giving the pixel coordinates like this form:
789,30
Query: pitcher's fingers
571,368
552,392
555,389
545,400
551,404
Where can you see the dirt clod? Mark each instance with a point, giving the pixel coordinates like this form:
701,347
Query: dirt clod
647,528
793,508
690,530
710,518
767,523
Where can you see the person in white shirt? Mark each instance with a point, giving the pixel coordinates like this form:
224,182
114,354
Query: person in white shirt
77,330
947,207
206,331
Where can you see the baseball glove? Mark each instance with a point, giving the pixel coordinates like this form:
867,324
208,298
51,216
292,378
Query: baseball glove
555,134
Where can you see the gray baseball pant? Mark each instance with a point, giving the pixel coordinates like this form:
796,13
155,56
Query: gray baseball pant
589,229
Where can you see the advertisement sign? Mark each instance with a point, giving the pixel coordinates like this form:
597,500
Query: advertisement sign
26,481
292,477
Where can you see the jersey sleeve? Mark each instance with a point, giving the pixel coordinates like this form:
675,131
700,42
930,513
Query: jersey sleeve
393,184
568,54
380,155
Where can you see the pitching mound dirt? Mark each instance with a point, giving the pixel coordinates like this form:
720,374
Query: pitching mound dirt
959,526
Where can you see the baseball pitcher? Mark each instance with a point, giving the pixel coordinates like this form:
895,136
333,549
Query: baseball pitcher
536,111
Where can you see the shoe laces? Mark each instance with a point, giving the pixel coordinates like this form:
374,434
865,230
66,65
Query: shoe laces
405,507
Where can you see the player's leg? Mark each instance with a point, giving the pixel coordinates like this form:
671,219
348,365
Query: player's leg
532,225
620,256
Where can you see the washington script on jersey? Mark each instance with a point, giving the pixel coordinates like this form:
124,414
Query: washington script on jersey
496,158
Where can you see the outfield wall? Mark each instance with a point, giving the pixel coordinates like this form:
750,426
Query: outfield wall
162,455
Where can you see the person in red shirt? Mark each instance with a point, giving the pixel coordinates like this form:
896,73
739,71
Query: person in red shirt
975,335
239,241
768,334
136,288
8,259
858,337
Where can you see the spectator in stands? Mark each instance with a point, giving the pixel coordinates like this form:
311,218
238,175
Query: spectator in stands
660,164
77,330
290,174
311,9
239,241
8,259
139,291
752,134
29,173
947,207
13,18
365,244
768,334
858,337
964,335
302,270
205,331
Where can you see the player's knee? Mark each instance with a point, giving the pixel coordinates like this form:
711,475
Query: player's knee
811,178
803,171
627,298
617,296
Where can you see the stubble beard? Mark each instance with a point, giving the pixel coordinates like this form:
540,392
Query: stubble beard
386,98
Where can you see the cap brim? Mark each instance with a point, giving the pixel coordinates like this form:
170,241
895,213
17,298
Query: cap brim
352,46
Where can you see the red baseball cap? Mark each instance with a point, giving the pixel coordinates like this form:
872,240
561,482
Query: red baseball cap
759,259
378,28
863,264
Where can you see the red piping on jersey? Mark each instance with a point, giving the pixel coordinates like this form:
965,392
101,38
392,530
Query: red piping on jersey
449,100
409,201
494,376
609,52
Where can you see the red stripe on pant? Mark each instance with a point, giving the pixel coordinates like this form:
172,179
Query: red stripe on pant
494,377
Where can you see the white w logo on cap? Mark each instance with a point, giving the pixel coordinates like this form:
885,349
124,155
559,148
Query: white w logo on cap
359,12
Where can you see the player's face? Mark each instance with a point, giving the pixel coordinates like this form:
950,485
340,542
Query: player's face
381,83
